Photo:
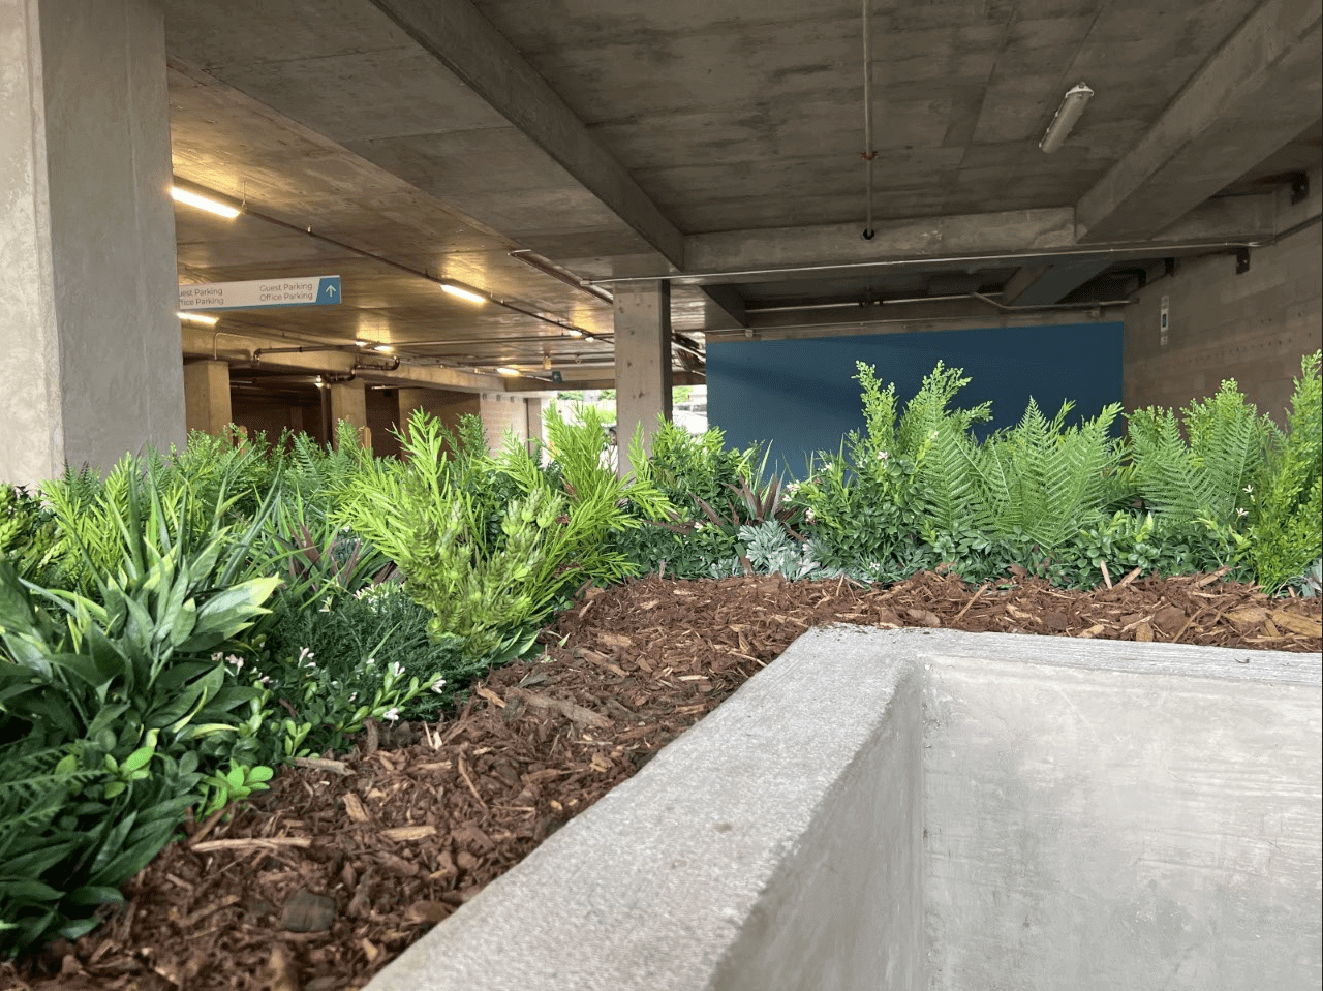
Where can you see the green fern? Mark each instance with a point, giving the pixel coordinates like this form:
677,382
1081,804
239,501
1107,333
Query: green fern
1043,481
1288,506
1209,478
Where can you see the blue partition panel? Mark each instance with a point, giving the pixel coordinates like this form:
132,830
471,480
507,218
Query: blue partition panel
801,395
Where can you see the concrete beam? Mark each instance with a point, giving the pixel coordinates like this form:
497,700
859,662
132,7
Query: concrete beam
1255,94
907,318
936,244
1043,285
235,347
723,308
922,237
458,35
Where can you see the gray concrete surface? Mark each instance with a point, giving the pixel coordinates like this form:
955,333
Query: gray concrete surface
925,809
1107,815
87,254
744,855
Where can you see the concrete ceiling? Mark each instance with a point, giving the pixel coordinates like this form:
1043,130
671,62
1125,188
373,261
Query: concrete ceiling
721,144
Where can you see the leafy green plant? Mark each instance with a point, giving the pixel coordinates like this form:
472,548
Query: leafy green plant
1286,509
492,591
360,656
28,535
106,708
234,785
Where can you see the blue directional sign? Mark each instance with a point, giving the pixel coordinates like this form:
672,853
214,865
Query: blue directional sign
314,290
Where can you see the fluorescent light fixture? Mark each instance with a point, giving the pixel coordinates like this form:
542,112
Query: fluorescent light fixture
1072,105
202,318
462,293
190,198
508,371
382,347
573,333
364,344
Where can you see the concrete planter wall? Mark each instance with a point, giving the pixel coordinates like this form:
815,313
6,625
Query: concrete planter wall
923,810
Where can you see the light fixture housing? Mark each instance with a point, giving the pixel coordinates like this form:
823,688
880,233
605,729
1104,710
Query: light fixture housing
465,294
203,318
1072,105
200,202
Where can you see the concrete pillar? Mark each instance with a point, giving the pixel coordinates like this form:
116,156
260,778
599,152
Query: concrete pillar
643,359
207,396
88,280
533,414
348,403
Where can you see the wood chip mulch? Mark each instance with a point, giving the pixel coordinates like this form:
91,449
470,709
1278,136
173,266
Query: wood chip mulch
345,862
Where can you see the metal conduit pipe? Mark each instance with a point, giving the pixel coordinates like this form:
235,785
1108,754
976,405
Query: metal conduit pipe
838,306
548,267
1156,251
1052,306
869,154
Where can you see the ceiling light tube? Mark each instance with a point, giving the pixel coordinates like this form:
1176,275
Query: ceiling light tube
465,294
202,318
197,200
505,370
1072,105
383,347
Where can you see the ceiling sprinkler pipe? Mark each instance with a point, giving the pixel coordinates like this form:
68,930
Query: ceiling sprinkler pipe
869,153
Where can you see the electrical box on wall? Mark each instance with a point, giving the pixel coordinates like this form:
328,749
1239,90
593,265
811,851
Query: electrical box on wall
1164,320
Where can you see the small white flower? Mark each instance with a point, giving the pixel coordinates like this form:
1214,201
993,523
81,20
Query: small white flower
882,455
218,655
792,488
265,679
1249,488
1242,512
236,661
353,696
390,715
396,668
370,661
436,685
810,516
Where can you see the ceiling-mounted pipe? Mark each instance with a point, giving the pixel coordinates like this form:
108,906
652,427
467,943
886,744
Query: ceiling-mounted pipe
547,267
839,306
1154,251
869,154
1051,306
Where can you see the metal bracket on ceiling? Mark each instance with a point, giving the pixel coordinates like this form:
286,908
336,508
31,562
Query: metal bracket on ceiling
1242,260
1299,187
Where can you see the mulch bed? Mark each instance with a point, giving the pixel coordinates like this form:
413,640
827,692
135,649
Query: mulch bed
343,863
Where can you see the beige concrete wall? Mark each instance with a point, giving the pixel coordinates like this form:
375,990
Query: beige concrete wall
1252,327
500,413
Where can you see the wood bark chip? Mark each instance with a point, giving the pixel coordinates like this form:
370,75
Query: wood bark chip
456,804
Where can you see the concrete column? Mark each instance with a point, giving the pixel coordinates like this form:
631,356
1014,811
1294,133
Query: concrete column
207,396
88,279
643,359
533,414
348,403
